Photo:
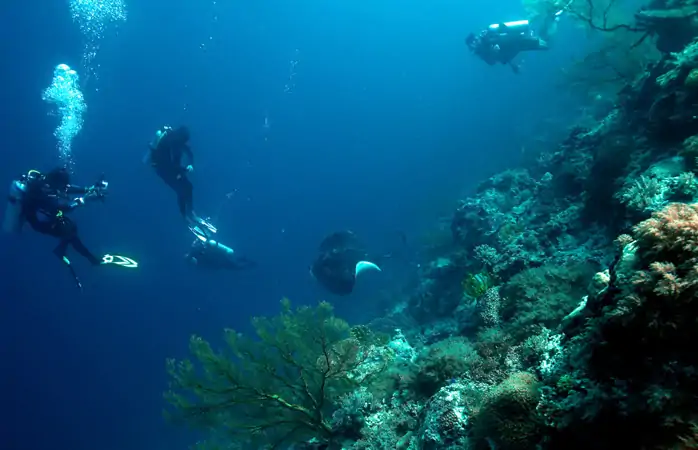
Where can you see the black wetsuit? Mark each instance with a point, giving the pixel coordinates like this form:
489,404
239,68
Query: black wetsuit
166,158
45,209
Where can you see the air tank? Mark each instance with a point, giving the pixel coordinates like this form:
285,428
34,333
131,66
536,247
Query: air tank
13,220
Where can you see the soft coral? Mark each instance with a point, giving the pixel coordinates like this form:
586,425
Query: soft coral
670,234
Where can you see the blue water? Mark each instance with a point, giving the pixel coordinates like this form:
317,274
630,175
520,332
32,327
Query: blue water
389,120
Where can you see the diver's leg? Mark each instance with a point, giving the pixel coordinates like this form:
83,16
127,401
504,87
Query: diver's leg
79,247
60,251
170,178
185,196
242,263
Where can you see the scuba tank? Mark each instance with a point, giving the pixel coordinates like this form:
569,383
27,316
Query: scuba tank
13,220
159,135
517,26
147,159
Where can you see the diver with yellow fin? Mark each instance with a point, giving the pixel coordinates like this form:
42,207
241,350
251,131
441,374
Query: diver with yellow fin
44,200
339,262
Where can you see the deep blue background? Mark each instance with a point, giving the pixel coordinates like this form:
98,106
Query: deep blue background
390,119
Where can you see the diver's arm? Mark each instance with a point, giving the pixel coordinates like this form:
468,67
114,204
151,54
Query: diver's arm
68,205
77,190
95,192
30,215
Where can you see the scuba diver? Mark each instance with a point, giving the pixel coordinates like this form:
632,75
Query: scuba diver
502,42
339,262
44,201
165,156
213,255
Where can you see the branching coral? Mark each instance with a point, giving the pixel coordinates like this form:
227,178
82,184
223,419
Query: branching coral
644,194
277,387
681,63
601,15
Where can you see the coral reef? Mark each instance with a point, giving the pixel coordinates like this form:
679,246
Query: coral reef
561,314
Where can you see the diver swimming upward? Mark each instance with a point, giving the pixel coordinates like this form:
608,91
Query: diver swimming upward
165,156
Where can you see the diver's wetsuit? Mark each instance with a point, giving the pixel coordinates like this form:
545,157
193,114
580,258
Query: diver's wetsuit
166,158
44,209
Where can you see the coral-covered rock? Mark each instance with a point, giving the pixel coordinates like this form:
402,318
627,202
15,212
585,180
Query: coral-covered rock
633,365
447,414
507,418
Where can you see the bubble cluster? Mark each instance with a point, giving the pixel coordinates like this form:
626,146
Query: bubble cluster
291,80
94,17
64,92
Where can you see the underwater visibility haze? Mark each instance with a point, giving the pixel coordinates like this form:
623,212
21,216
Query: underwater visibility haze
483,214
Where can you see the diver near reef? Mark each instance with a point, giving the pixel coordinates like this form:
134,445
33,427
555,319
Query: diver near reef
339,262
43,201
165,156
502,42
210,254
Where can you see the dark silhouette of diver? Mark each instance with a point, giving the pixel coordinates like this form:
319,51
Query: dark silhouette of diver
165,156
210,254
339,261
502,42
44,201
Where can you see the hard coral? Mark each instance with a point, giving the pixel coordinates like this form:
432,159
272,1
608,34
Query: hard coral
507,419
543,296
441,363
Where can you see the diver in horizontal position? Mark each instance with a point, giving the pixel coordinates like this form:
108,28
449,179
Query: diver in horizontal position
44,201
210,254
502,42
339,262
165,156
